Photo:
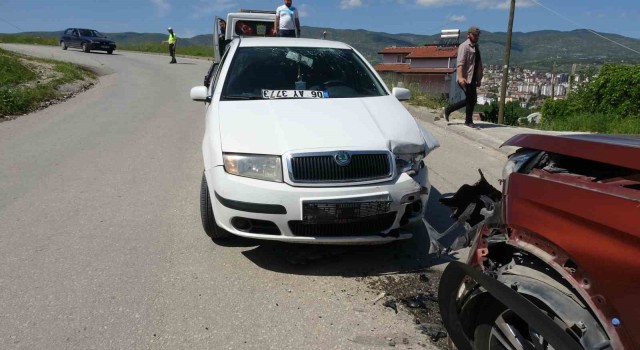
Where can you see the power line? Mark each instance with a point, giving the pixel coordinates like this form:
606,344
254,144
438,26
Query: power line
581,26
11,24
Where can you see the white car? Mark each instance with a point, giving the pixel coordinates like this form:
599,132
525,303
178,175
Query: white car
304,143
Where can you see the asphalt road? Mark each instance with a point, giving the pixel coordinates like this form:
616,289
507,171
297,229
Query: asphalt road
101,244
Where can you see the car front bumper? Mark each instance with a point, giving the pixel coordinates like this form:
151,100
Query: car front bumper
281,205
103,47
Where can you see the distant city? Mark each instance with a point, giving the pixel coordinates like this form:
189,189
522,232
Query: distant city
527,86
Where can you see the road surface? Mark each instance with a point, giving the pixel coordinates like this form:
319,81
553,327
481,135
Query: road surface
101,244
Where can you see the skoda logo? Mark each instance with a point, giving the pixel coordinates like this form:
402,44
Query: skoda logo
342,158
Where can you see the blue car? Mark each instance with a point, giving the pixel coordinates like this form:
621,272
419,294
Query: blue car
86,40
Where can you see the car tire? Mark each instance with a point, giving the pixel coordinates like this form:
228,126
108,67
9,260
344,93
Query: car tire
85,48
109,52
209,225
489,322
63,45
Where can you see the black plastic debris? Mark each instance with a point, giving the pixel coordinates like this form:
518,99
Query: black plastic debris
434,331
391,304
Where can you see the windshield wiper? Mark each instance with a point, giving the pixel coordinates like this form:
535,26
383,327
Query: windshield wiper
242,97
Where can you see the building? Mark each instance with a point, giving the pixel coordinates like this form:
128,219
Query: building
430,68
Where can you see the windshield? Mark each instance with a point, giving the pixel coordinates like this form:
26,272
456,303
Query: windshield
299,72
90,33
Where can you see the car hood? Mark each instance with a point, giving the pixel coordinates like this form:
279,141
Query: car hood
98,40
281,126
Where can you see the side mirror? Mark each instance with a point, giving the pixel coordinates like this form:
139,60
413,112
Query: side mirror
200,93
401,94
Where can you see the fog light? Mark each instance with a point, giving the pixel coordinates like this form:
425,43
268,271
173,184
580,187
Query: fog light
241,224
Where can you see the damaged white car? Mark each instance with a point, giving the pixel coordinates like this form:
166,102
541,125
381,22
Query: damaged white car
304,143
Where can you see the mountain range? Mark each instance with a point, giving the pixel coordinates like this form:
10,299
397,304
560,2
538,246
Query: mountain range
534,50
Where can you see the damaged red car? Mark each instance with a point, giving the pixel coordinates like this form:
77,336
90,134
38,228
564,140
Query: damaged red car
555,256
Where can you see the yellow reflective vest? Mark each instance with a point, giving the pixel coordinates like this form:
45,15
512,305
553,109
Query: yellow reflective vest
172,38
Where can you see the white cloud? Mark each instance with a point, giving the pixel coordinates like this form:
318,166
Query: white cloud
480,4
349,4
456,18
303,10
162,7
209,8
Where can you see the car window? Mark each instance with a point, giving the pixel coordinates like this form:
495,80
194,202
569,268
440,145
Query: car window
338,73
90,33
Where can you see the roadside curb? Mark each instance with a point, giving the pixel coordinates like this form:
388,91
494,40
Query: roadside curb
457,126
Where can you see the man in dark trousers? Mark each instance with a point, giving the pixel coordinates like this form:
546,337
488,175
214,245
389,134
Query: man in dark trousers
287,23
172,40
469,73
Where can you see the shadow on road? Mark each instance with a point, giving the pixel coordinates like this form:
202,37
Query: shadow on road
353,261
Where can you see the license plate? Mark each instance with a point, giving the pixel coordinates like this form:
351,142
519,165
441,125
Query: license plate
105,46
276,94
342,212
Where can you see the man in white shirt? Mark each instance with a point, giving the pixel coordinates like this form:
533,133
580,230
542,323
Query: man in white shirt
287,22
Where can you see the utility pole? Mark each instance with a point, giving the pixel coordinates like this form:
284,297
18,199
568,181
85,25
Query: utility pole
553,80
505,68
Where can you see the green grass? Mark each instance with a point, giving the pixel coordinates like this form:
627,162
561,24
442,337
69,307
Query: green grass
599,123
12,71
419,98
200,51
18,98
27,39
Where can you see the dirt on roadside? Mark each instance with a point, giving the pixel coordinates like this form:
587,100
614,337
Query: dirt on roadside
416,294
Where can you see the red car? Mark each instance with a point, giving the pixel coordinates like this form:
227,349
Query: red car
555,258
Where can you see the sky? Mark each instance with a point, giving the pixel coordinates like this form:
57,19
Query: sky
427,17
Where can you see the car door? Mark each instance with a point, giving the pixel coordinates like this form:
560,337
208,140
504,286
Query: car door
66,36
75,38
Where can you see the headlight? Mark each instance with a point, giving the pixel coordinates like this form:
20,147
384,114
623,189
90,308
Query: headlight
409,162
255,166
517,161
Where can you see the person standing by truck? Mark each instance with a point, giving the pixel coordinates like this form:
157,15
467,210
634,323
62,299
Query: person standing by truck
172,40
287,22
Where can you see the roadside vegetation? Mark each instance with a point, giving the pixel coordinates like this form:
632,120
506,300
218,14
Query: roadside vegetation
191,50
610,103
199,51
26,82
27,39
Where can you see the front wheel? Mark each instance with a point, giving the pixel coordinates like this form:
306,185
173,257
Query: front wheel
206,213
477,320
85,47
63,45
110,52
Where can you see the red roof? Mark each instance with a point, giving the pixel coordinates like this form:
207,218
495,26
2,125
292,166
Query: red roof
406,68
433,52
396,67
394,49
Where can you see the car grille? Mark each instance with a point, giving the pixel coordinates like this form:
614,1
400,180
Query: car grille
368,226
324,168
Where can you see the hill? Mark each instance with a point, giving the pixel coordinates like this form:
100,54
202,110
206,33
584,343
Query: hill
534,50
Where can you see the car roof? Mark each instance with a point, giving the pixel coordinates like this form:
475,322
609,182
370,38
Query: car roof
621,150
291,42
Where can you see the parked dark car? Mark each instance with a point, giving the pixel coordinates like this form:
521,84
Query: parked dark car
87,40
554,260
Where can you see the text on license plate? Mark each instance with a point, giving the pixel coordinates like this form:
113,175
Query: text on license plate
292,94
